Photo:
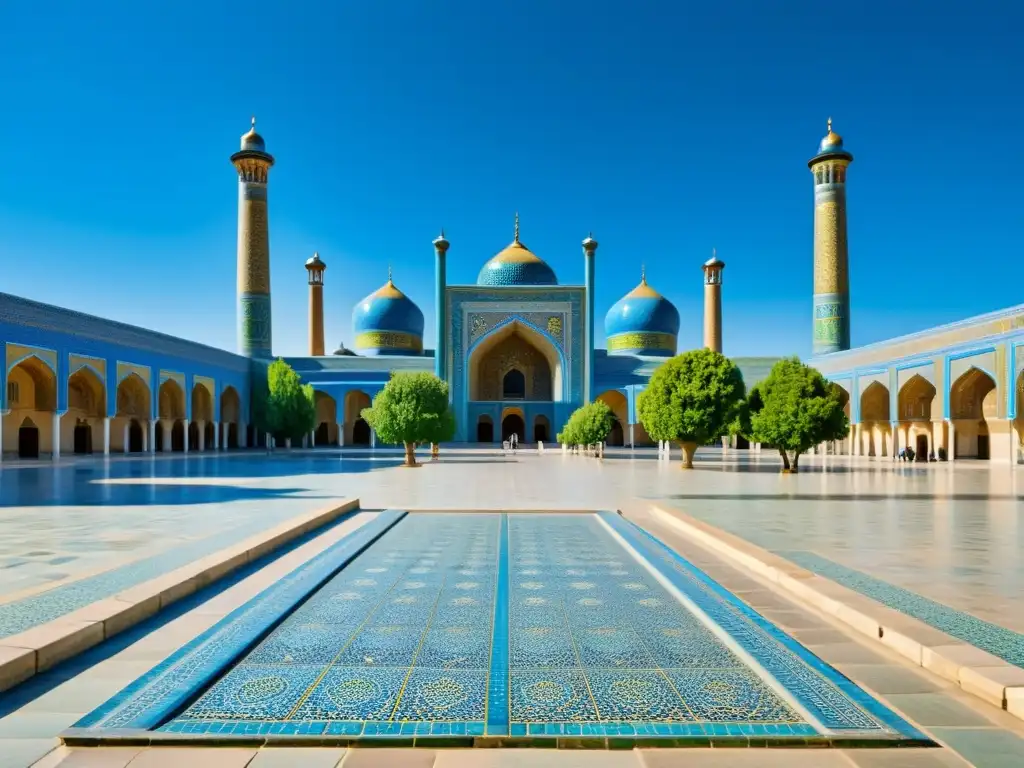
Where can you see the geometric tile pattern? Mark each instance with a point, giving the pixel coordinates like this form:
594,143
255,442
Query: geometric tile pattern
526,625
999,641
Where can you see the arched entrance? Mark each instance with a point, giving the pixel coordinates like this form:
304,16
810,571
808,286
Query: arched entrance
615,436
171,409
158,436
357,431
193,437
541,429
232,435
972,410
326,419
178,436
484,430
360,432
202,418
87,405
615,400
28,440
874,420
82,438
133,407
914,403
513,423
230,414
515,362
134,436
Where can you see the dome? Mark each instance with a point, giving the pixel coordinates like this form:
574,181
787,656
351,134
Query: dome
516,265
252,141
643,322
387,322
831,145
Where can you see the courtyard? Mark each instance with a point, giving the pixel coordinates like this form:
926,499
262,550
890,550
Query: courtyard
938,542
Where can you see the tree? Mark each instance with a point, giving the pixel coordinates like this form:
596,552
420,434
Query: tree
793,409
412,408
692,399
588,425
288,409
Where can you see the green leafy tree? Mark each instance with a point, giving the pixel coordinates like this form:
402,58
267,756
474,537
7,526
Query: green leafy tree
692,399
588,425
287,410
793,409
412,408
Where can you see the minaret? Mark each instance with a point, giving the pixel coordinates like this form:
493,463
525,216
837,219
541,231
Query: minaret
713,302
831,267
440,307
253,164
315,267
589,249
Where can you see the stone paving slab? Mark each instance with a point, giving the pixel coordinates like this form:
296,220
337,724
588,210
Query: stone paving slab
974,670
37,649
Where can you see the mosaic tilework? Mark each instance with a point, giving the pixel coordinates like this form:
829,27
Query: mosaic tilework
999,641
402,634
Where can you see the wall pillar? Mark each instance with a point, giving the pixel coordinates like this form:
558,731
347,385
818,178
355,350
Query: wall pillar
202,436
1015,444
341,434
147,438
373,438
951,448
216,436
185,441
55,449
894,431
152,436
243,434
632,444
125,445
106,435
589,249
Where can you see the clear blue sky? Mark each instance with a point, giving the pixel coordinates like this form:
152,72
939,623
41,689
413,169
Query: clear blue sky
667,128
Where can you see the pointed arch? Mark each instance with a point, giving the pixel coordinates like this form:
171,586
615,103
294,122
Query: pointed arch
357,431
202,402
171,401
35,384
326,418
915,399
973,408
132,399
515,345
87,393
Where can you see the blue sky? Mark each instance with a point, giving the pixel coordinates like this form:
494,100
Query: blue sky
667,128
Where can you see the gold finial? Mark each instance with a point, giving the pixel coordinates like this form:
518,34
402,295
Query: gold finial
643,274
516,238
830,125
254,122
389,271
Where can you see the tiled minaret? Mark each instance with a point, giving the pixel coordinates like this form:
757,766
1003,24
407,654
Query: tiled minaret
589,249
713,302
440,307
831,268
315,268
253,165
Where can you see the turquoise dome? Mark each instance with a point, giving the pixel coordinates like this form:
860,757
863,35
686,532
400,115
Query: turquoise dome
387,322
643,322
831,146
516,265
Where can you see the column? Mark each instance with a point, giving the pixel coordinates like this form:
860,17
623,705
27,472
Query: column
185,437
856,440
951,448
202,437
216,436
589,249
152,437
147,439
106,435
341,434
224,428
373,438
895,439
1015,445
632,443
55,448
440,308
312,439
125,445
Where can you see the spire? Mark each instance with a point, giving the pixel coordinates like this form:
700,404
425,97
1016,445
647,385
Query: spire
254,122
389,272
830,125
442,233
643,274
516,238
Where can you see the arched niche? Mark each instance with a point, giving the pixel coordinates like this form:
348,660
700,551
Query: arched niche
518,347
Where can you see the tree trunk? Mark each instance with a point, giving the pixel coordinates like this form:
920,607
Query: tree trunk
794,465
689,451
410,454
435,451
785,459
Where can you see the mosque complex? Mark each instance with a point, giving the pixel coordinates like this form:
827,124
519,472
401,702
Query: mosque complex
517,350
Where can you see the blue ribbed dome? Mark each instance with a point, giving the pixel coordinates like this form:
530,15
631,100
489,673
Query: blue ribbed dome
387,322
643,322
516,265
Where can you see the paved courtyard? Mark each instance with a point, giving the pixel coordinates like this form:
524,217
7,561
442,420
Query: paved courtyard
940,541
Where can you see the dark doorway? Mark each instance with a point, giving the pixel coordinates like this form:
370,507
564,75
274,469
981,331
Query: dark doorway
178,436
135,437
193,437
513,386
982,446
615,437
513,423
28,440
323,434
232,435
250,437
742,442
360,432
83,438
921,451
540,430
485,430
208,436
158,436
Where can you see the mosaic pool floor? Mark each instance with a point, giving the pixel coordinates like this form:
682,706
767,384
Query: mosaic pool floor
505,625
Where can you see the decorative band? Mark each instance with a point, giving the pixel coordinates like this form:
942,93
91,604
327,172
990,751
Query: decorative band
389,340
665,342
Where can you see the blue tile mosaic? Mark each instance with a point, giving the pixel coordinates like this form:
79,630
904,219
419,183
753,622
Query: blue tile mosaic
544,625
999,641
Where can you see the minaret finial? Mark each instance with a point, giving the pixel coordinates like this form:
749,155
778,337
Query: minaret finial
516,238
714,253
442,232
254,122
643,274
830,125
389,271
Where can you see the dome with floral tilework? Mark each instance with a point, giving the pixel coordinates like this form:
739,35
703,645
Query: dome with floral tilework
643,322
516,265
387,322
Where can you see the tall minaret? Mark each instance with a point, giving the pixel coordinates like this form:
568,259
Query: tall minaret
440,307
315,268
589,249
713,302
253,164
831,267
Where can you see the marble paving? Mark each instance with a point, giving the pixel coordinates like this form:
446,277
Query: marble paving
529,625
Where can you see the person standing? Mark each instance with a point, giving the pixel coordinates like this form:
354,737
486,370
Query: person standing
515,441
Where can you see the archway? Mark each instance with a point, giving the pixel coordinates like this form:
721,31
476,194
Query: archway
615,400
355,401
193,436
208,435
135,441
178,436
232,435
541,429
512,351
512,423
28,440
158,437
82,437
87,405
972,411
32,401
133,407
484,430
202,403
326,419
914,403
874,420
